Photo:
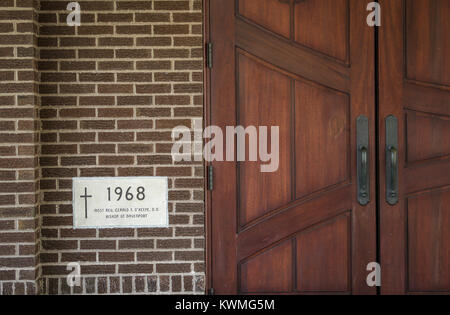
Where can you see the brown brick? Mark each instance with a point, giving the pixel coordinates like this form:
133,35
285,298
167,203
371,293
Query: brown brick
6,27
173,268
152,65
7,52
134,5
57,54
135,124
96,77
114,233
136,269
97,172
77,112
6,275
77,137
116,41
116,256
97,148
77,66
152,17
97,244
95,29
76,41
115,88
155,41
57,196
154,256
59,244
115,65
135,148
97,100
134,29
7,250
153,88
96,53
97,269
98,124
136,244
190,255
189,231
135,171
114,284
115,17
134,100
116,137
71,233
187,17
173,243
171,5
79,257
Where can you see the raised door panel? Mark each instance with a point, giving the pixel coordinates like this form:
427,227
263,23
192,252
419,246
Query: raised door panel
430,63
323,257
264,101
428,242
273,15
322,139
323,26
268,272
427,136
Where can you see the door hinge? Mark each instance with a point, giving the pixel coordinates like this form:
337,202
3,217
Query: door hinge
209,55
210,178
211,291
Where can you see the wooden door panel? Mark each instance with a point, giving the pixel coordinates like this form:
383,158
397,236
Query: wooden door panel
274,15
300,229
430,63
292,219
414,77
271,106
324,256
323,26
322,143
257,272
427,136
428,235
292,58
426,99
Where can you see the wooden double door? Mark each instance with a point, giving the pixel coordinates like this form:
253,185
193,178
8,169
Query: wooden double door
364,146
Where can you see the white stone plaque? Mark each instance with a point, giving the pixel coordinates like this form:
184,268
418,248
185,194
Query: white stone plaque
117,202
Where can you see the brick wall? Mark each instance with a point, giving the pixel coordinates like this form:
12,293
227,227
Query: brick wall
110,92
19,173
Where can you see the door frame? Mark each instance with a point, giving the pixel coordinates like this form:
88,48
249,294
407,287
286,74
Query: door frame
206,122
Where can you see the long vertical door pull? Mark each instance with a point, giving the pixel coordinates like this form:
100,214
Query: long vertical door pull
363,160
392,160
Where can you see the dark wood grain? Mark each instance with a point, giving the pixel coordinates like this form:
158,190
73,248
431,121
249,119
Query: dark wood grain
271,106
414,238
323,26
427,41
428,237
274,15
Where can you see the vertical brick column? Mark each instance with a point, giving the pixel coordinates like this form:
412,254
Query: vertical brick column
111,91
19,219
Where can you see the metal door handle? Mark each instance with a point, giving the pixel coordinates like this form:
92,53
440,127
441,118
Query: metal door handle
394,166
363,165
392,159
392,187
364,169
